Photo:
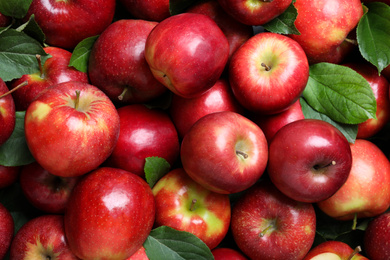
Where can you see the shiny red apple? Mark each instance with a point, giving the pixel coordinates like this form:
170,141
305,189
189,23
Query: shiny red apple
6,230
7,113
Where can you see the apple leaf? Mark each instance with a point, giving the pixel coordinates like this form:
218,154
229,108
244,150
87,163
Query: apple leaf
179,6
340,93
18,54
349,131
167,243
80,54
15,8
32,29
155,168
284,23
373,35
15,152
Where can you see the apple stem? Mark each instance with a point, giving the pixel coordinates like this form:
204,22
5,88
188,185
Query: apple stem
242,154
357,250
267,68
122,95
262,233
352,41
192,208
77,101
354,222
39,64
24,83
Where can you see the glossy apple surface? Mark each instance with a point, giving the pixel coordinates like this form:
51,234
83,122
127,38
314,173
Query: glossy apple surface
7,113
225,152
266,224
186,111
71,128
185,205
6,230
140,254
41,238
117,63
268,73
55,70
376,237
8,175
144,132
187,53
224,253
309,160
151,10
109,214
324,26
334,250
366,192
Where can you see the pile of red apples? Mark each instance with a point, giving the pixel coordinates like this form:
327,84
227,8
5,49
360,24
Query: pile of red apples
191,122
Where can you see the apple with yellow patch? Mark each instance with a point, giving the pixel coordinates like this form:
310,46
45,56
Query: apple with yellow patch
334,250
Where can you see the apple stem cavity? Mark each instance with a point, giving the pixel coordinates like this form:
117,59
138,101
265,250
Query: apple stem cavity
77,101
24,83
266,67
357,250
241,153
270,226
122,95
193,202
318,167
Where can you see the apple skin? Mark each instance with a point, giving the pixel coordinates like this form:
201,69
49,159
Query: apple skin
208,217
8,175
151,10
366,192
268,73
6,230
144,132
5,20
66,23
333,250
140,254
376,237
386,72
224,253
186,111
380,86
55,70
324,25
117,63
309,160
7,113
45,191
266,224
254,12
41,238
187,53
225,152
69,141
109,214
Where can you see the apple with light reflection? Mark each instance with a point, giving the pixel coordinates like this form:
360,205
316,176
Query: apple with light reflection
334,250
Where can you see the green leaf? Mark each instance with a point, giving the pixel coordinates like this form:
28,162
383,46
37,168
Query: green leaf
284,23
18,54
167,243
373,35
32,29
340,93
155,168
80,55
179,6
15,152
349,131
15,8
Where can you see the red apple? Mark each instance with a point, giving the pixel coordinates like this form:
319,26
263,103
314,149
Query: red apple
366,192
8,175
225,152
224,253
41,238
71,128
309,160
66,23
268,73
185,205
144,132
334,250
377,237
324,27
55,70
6,230
266,224
380,86
151,10
7,113
109,215
117,63
255,12
140,254
45,191
5,20
186,111
187,53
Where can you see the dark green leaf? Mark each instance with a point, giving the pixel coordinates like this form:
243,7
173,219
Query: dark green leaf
167,243
15,8
32,29
15,152
349,131
284,23
155,168
18,54
81,52
179,6
340,93
373,35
